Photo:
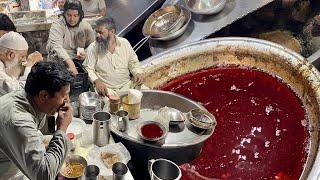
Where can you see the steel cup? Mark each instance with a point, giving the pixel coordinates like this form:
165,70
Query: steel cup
132,109
119,170
91,172
122,120
101,128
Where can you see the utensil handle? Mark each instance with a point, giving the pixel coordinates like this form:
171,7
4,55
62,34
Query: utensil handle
150,162
140,43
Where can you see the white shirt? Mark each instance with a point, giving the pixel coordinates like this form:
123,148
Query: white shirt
9,83
112,68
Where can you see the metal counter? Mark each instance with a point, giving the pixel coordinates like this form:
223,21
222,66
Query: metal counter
127,14
202,26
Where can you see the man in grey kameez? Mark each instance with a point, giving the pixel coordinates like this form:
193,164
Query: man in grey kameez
23,112
70,35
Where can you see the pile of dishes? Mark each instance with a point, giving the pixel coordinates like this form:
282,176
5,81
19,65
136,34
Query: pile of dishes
89,103
167,23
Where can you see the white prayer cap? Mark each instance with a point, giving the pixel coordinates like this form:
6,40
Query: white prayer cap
14,41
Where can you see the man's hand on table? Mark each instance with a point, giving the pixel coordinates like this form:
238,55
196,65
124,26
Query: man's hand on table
138,79
101,88
64,117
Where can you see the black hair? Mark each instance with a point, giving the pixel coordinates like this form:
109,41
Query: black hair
50,76
6,24
106,21
74,5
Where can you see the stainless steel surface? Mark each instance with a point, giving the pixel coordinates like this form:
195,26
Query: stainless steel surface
143,123
179,32
164,21
182,143
89,103
122,120
101,128
71,159
206,7
202,26
169,2
274,59
163,169
135,11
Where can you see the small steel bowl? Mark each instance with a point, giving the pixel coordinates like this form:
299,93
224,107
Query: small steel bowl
164,21
171,115
73,159
173,35
201,119
89,99
164,134
205,7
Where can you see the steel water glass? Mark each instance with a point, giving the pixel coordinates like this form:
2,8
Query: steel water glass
91,172
122,120
119,170
101,128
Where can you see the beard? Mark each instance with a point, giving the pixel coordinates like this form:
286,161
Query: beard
102,45
13,67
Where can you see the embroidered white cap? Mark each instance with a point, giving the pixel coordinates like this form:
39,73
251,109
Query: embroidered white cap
13,40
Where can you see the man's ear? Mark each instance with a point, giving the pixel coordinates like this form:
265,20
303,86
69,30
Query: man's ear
10,55
43,96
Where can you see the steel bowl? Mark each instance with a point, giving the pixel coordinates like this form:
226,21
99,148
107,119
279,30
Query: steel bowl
205,7
171,115
165,131
89,103
201,119
179,32
164,21
71,159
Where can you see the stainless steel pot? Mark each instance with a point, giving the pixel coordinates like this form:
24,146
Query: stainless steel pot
292,68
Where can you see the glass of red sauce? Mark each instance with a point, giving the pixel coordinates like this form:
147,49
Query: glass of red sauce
152,131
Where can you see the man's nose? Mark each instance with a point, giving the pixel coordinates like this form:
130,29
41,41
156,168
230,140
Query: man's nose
67,99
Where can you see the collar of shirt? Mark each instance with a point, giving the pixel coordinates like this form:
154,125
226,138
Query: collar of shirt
40,116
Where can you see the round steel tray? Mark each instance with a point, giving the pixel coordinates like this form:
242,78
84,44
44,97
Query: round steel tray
182,136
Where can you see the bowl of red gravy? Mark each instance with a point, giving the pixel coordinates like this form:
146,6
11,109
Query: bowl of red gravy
152,131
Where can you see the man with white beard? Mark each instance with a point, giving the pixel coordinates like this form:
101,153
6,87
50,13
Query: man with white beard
14,64
110,60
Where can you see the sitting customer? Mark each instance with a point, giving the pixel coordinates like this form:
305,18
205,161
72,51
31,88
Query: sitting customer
22,152
14,66
110,60
69,34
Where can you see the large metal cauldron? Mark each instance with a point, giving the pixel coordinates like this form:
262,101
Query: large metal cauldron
303,78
